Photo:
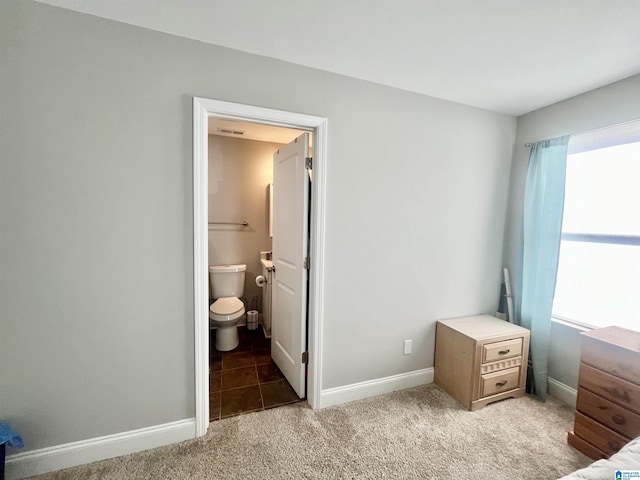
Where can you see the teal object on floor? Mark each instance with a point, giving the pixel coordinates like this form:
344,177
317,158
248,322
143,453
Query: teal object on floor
9,436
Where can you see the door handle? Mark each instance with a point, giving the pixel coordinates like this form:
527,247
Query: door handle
501,384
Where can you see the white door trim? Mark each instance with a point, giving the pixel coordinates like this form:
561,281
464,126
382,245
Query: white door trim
204,108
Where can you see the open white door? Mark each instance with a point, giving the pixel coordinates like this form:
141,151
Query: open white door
290,247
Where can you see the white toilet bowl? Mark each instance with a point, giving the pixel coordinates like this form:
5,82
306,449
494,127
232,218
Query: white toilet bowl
224,314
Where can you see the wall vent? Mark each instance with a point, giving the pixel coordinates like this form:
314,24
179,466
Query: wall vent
230,132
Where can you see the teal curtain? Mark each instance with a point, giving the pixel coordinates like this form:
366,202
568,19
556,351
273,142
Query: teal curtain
542,229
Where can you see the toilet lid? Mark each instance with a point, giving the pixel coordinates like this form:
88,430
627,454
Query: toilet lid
226,306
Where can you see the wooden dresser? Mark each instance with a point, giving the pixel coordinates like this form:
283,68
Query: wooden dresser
608,405
481,359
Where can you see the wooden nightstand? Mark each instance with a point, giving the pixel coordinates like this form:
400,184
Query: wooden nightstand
608,405
481,359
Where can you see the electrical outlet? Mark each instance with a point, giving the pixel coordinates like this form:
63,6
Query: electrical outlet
407,346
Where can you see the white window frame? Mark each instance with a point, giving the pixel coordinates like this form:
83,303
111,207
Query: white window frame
628,132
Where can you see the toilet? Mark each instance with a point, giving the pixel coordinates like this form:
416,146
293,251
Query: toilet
227,285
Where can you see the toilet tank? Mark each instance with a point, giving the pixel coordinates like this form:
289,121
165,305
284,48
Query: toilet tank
227,280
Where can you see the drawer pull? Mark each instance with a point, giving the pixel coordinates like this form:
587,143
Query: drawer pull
618,419
501,384
504,352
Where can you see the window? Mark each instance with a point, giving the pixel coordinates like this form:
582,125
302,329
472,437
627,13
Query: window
598,282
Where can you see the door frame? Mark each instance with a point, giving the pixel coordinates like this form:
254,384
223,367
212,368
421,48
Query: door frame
204,108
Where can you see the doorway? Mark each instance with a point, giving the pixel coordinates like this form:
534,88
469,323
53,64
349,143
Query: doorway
203,109
258,224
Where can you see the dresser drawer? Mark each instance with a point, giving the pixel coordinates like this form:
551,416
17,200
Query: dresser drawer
619,362
500,381
500,350
585,447
597,435
608,413
608,403
612,388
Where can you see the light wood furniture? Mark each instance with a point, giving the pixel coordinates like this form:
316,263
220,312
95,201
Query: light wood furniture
608,405
481,359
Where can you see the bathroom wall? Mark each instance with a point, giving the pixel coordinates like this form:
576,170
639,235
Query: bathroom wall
239,172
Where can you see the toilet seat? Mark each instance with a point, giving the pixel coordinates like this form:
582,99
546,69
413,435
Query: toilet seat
225,309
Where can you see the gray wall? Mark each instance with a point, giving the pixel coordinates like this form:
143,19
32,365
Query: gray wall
239,172
615,103
96,217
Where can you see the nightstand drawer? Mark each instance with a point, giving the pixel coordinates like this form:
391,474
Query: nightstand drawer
608,413
500,381
500,350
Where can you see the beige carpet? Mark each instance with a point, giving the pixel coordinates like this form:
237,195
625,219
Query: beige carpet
416,433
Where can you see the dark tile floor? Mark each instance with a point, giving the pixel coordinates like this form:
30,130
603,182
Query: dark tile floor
245,379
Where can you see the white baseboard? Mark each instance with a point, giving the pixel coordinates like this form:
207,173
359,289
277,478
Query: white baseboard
562,392
372,388
43,460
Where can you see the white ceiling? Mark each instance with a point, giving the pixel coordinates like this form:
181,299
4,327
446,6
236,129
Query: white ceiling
503,55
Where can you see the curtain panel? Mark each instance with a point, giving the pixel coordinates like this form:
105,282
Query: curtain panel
542,229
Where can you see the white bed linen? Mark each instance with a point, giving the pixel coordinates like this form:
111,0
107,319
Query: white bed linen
628,458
